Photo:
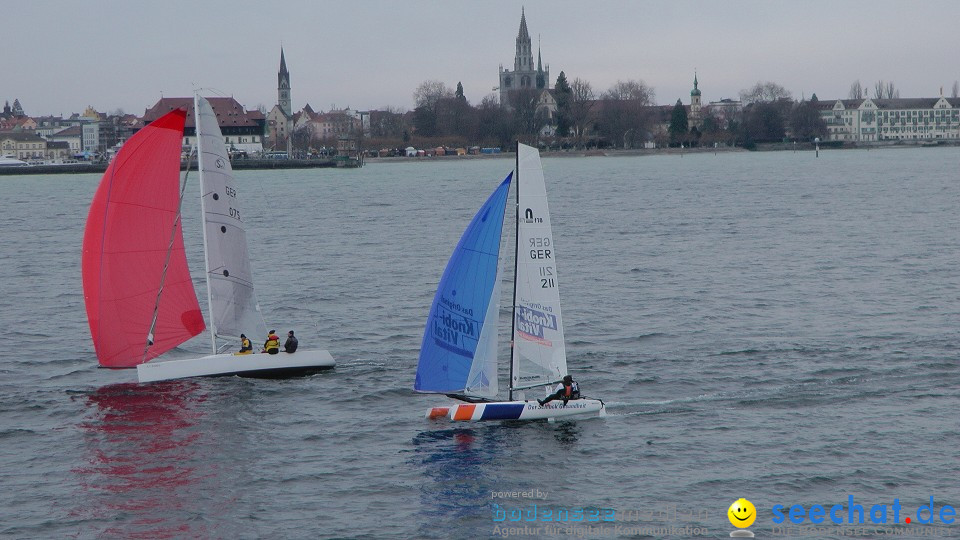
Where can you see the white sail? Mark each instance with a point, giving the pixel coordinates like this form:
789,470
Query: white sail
233,301
482,380
539,353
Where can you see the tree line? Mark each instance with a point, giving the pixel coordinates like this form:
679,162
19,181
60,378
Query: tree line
622,116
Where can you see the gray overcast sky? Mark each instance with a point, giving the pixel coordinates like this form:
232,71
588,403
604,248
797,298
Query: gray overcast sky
60,56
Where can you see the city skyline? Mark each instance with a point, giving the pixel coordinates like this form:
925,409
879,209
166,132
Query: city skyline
373,55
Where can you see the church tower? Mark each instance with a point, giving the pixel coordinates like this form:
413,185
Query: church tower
283,87
695,117
524,59
525,75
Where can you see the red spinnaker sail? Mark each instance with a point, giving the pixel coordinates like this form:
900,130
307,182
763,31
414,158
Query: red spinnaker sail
125,246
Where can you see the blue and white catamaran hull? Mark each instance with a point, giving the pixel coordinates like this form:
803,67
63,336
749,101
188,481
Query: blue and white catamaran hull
520,410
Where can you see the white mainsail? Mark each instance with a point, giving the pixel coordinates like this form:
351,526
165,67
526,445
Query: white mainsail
233,301
539,353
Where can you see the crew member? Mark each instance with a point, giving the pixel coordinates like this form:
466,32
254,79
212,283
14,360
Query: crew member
272,344
566,390
245,346
290,345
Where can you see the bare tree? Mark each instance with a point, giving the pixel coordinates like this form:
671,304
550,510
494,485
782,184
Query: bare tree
886,90
581,107
764,92
630,91
955,89
427,97
429,93
856,90
625,112
387,122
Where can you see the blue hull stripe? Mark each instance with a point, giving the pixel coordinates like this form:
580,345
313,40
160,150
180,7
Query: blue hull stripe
505,411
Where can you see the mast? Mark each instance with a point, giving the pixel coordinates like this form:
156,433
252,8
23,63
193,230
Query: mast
516,260
203,225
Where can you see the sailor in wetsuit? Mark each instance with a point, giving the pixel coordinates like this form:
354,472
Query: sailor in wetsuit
566,390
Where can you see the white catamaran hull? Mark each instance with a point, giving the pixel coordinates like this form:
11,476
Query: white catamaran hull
519,410
244,365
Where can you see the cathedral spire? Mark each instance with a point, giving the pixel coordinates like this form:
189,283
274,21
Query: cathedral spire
523,34
539,61
283,86
524,58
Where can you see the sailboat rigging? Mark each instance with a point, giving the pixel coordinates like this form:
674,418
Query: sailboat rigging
458,354
138,292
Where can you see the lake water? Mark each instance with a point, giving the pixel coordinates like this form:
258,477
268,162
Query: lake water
772,326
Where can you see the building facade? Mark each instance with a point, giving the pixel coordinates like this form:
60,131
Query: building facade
242,130
23,145
525,75
72,135
898,119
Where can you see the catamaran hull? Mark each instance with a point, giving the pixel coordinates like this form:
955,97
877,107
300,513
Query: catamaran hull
244,365
519,410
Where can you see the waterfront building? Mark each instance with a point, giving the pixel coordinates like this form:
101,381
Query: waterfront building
724,111
897,119
243,130
325,128
48,125
72,136
525,76
23,145
90,137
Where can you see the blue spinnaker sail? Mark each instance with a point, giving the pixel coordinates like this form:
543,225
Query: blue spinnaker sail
462,319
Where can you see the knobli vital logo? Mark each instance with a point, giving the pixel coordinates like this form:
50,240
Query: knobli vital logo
531,322
455,332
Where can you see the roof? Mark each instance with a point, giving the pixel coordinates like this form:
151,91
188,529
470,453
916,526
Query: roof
22,136
72,131
894,103
228,110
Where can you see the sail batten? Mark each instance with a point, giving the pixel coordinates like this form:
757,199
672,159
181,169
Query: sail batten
458,353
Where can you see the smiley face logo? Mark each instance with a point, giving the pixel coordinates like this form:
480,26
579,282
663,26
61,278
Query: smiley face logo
742,513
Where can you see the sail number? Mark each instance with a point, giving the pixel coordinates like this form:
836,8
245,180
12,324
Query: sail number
546,278
231,192
538,245
235,214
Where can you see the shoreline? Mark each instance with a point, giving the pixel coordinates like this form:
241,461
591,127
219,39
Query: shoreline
261,164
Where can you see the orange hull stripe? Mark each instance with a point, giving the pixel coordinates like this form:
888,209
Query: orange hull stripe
438,412
464,412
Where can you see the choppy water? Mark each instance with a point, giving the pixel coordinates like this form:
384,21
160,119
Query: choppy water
769,326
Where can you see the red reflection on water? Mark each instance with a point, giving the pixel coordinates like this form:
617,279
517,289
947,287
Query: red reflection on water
142,443
464,440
